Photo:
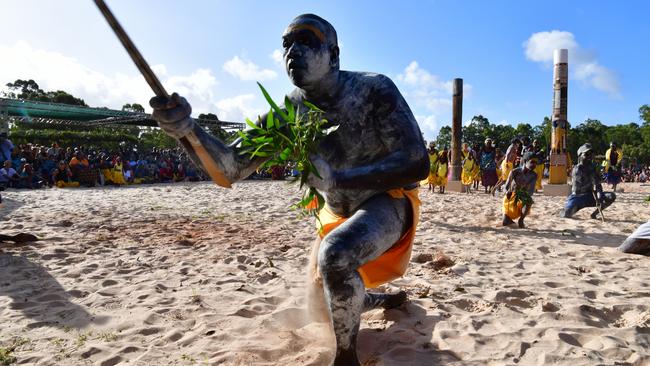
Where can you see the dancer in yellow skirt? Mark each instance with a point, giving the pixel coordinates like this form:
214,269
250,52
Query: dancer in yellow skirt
539,154
520,187
443,168
432,179
469,172
508,162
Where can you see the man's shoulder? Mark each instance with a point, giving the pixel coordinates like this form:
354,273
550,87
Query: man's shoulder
371,78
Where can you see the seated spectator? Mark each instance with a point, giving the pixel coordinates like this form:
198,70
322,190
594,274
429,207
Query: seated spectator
9,176
62,176
81,171
191,173
28,179
165,173
179,173
140,173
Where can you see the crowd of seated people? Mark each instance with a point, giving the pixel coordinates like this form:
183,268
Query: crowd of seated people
32,166
636,175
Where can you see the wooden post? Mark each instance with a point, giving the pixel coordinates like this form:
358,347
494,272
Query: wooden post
456,129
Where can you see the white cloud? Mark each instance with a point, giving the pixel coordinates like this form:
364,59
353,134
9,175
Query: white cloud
238,108
428,125
583,64
540,46
54,71
423,80
278,57
246,70
429,96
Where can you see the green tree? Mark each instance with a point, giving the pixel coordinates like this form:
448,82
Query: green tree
444,138
135,107
644,113
542,133
477,130
29,90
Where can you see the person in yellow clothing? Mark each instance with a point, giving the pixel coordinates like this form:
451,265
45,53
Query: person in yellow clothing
520,187
508,162
117,173
539,170
63,176
432,179
468,172
443,169
612,165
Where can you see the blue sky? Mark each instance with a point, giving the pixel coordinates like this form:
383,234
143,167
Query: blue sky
213,52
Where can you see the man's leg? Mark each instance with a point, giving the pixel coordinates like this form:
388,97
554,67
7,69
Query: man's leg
524,212
608,199
576,203
373,229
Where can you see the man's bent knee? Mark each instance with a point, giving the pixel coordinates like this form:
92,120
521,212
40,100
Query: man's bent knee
333,259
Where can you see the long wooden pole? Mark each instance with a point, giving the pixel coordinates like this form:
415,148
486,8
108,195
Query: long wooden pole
190,142
456,129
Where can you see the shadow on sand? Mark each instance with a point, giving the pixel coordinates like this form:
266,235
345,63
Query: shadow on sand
27,290
567,236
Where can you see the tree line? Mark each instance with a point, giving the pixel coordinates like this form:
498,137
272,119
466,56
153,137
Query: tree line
633,138
111,138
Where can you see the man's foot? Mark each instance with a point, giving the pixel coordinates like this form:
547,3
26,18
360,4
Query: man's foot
520,222
507,221
385,301
594,215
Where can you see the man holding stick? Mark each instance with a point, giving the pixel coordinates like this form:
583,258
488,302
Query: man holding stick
369,166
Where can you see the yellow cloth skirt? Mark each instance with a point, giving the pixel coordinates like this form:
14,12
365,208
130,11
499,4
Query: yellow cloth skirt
108,175
510,208
539,169
392,263
441,179
506,168
62,184
118,177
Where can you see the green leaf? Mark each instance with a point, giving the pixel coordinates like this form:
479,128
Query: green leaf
311,106
269,120
290,109
272,103
285,154
252,125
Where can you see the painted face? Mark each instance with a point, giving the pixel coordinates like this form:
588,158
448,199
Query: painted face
306,54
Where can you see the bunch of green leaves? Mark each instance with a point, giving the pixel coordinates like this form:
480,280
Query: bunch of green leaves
522,195
289,136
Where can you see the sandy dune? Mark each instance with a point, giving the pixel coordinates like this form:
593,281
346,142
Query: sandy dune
192,274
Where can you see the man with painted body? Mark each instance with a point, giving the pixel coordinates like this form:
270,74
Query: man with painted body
586,187
377,148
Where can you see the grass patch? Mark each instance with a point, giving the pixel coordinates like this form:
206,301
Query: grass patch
6,356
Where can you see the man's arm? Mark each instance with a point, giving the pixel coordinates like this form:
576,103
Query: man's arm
595,179
408,161
509,181
173,116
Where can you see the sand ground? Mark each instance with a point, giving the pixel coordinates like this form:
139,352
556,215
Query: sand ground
193,274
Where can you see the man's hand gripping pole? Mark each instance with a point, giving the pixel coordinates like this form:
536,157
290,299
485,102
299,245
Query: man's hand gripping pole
190,142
